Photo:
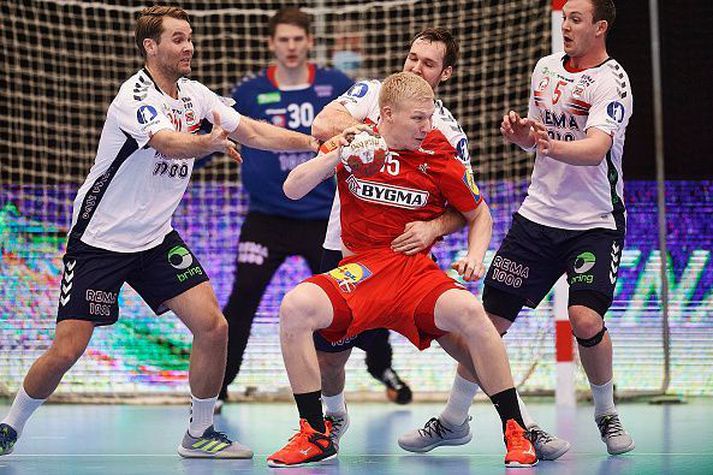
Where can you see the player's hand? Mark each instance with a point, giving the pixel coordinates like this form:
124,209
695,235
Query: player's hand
516,129
417,236
470,268
218,140
545,144
348,134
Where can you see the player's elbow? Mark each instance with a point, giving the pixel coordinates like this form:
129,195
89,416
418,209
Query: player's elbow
320,127
291,188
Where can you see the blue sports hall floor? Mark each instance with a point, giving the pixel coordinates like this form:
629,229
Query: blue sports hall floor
128,439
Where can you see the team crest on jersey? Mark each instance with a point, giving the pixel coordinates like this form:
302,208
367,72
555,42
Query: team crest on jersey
389,195
544,82
349,276
469,180
146,114
358,90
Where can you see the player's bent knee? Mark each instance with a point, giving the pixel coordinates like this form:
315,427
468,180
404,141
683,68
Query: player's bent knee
594,340
299,309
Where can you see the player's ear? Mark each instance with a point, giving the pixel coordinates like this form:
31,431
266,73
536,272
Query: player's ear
310,41
602,27
271,44
446,73
150,46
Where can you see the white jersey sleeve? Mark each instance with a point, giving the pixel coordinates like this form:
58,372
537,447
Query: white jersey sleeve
362,100
210,102
611,104
140,119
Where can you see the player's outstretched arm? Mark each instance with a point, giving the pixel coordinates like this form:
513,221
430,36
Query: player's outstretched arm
307,175
585,152
418,235
182,145
480,231
264,136
332,120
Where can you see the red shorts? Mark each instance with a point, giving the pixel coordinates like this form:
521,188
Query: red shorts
385,289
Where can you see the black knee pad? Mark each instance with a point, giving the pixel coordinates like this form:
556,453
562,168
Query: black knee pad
596,301
501,303
593,341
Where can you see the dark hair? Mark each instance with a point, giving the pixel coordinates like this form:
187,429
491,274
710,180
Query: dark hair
150,23
444,36
604,10
290,16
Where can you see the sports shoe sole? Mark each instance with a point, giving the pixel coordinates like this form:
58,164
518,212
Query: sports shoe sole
273,464
520,465
199,454
428,448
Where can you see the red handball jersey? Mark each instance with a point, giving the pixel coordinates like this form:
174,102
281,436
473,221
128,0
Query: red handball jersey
413,185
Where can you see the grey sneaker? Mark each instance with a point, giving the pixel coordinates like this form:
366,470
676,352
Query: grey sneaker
212,444
340,424
613,434
435,433
8,437
547,446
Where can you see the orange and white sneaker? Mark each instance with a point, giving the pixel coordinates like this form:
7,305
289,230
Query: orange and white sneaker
305,447
521,452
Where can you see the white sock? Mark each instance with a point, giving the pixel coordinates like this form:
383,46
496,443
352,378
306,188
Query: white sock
459,401
201,415
22,408
526,417
335,404
603,399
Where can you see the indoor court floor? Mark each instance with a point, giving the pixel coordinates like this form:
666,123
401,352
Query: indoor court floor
127,439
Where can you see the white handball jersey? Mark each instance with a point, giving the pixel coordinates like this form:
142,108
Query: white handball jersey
362,102
132,190
568,104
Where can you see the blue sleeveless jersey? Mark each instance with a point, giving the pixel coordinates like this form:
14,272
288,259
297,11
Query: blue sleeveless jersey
263,173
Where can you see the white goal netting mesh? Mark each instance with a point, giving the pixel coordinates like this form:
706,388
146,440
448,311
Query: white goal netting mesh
62,63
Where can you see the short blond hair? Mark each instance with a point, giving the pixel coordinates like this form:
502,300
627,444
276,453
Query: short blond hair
402,88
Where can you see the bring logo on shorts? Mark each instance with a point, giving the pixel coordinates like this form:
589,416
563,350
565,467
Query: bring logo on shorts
349,276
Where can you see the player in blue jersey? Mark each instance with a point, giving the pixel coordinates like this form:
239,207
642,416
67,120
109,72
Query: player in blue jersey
288,94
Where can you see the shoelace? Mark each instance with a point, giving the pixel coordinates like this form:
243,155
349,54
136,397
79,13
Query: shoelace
539,436
337,423
434,427
610,426
216,435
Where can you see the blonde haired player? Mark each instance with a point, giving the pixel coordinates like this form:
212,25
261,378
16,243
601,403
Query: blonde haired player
377,287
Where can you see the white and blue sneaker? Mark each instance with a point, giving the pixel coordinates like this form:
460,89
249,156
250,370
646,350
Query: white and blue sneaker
8,437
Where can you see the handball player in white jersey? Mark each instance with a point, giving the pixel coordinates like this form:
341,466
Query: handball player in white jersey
121,226
573,219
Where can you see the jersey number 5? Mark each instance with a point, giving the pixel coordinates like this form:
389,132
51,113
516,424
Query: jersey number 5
558,92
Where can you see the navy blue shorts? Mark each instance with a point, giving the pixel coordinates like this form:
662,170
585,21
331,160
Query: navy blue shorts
92,278
532,257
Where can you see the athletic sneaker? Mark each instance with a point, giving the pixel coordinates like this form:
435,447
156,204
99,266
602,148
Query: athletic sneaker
212,444
434,434
305,447
618,440
547,446
396,390
8,437
520,453
339,424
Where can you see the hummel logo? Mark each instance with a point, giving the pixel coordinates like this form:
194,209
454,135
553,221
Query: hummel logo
66,288
70,265
306,451
64,300
423,168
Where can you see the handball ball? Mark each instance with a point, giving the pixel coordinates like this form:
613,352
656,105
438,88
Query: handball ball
365,155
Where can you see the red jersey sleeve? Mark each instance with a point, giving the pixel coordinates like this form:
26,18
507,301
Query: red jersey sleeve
456,181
